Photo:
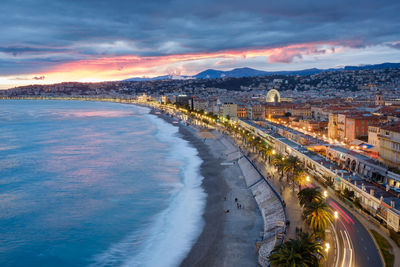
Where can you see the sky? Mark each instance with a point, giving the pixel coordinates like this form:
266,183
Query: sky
50,41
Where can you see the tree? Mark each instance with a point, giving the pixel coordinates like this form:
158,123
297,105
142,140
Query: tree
317,215
305,250
291,164
268,151
309,194
279,163
348,193
298,176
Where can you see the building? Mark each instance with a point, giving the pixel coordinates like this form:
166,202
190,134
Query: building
241,112
185,100
333,126
302,112
356,126
341,126
256,112
228,110
200,104
389,144
379,100
166,99
373,133
319,113
273,111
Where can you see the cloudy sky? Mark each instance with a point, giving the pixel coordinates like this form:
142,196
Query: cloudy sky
47,41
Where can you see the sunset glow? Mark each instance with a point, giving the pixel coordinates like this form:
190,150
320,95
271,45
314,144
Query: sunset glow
117,41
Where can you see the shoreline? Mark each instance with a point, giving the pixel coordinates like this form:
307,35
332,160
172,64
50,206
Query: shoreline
227,239
215,188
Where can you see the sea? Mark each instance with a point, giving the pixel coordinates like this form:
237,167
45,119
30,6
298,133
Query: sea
95,184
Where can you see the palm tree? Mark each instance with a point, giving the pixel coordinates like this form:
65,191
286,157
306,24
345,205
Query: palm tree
279,163
292,162
305,250
309,194
317,215
298,176
268,151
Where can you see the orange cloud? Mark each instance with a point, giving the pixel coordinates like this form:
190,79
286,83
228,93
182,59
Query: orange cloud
122,67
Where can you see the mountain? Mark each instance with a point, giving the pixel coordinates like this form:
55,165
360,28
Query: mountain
140,79
249,72
374,67
164,77
237,73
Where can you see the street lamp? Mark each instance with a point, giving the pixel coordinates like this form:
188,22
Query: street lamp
335,217
308,178
273,152
325,194
327,246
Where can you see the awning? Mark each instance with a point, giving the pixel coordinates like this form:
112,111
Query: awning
366,146
356,142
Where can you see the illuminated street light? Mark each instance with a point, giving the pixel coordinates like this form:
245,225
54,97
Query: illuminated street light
327,246
273,152
325,193
335,215
308,178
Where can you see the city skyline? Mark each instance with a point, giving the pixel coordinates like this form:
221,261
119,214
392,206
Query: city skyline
47,42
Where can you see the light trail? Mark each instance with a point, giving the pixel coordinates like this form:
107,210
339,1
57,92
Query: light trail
351,249
341,211
334,208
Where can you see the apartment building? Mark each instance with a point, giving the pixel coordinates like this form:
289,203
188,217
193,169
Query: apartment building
241,112
356,126
373,133
389,144
256,112
228,109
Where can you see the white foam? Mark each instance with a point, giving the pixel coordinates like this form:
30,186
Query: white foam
175,230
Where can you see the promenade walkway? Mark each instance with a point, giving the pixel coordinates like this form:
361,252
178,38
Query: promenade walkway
294,211
268,201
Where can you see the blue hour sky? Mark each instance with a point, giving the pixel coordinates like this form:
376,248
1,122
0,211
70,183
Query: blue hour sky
44,41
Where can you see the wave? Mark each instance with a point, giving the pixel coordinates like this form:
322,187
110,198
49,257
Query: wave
171,235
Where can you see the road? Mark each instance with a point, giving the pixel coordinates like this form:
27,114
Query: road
356,245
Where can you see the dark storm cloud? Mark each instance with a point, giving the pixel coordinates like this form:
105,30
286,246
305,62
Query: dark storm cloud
84,29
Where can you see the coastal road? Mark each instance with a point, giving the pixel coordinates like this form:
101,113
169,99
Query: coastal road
356,247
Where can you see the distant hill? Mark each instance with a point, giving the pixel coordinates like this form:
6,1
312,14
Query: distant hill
249,72
374,67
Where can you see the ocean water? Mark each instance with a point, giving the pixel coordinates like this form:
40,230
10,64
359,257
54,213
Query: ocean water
95,184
